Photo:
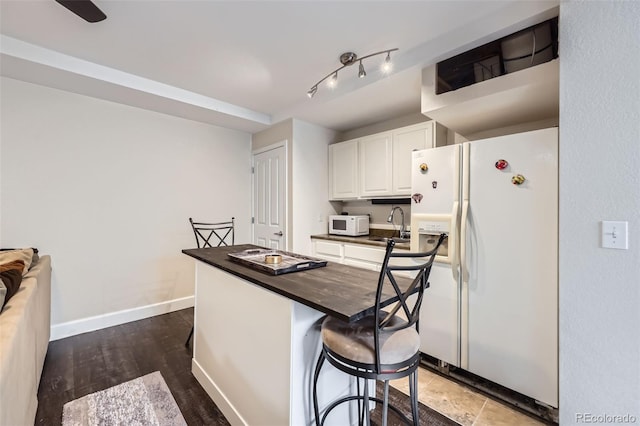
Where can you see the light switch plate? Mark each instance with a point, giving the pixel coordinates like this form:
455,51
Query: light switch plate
614,235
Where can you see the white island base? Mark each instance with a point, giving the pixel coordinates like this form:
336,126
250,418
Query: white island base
255,352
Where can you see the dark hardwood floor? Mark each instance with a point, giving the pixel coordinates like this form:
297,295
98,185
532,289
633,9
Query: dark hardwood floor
90,362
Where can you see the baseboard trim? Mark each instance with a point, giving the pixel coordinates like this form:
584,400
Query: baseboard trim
84,325
230,412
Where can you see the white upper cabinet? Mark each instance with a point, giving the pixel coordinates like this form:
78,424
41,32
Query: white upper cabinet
379,165
405,141
343,170
375,165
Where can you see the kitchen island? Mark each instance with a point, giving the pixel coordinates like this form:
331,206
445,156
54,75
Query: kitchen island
257,336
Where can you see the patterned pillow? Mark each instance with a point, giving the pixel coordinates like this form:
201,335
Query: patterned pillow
26,255
10,278
3,294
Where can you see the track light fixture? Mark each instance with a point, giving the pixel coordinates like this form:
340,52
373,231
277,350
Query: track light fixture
348,59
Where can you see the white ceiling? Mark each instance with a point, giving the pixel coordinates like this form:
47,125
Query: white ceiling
249,64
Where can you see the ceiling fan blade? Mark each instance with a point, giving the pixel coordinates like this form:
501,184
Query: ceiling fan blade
84,9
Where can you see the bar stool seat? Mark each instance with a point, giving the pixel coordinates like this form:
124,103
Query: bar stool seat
356,342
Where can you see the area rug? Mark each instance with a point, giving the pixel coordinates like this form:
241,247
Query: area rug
428,416
142,401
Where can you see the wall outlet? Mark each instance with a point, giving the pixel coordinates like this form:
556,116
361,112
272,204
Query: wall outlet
614,235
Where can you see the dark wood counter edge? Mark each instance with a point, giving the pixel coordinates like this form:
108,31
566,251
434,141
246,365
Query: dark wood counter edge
263,279
365,240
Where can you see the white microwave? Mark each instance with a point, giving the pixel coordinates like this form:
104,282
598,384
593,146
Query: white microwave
351,225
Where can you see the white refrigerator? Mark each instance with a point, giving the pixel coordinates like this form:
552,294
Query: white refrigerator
492,308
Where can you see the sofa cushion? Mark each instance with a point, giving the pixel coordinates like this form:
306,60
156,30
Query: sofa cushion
10,279
26,255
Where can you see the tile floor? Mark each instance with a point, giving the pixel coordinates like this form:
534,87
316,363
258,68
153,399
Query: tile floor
460,403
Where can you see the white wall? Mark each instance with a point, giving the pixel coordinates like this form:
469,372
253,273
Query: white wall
383,126
107,191
278,132
310,183
509,130
599,180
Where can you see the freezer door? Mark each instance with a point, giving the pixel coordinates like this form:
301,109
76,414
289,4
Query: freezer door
439,316
436,197
435,180
510,270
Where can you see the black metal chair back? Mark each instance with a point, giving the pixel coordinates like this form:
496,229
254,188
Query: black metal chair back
419,265
356,347
213,234
207,234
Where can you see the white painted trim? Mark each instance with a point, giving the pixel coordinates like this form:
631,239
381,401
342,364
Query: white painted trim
84,325
216,395
284,142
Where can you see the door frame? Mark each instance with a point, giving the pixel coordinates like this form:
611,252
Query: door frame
280,144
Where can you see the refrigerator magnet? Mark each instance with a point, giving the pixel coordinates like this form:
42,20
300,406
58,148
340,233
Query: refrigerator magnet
517,180
501,164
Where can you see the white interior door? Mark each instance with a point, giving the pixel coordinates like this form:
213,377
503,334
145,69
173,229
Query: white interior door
269,198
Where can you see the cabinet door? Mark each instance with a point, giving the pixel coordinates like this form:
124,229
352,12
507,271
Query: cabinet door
406,140
343,170
362,256
328,250
375,165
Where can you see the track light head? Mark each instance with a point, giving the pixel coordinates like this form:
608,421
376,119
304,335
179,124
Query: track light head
386,66
312,91
333,81
361,71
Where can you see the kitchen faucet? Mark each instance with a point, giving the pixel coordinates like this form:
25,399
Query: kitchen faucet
403,232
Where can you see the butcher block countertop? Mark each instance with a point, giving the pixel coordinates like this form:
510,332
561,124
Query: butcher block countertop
342,291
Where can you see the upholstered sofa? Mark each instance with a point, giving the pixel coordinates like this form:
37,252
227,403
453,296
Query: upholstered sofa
24,338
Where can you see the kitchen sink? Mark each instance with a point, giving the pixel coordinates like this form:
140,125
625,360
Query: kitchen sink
385,239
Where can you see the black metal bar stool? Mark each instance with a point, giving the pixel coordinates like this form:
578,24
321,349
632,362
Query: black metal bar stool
207,234
382,346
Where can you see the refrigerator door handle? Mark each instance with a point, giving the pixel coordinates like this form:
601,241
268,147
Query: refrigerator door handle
454,242
464,289
463,242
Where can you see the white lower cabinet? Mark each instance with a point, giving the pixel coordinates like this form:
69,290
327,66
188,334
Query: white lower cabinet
362,256
328,250
352,254
358,255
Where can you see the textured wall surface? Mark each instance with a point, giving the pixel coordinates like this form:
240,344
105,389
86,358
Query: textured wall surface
599,158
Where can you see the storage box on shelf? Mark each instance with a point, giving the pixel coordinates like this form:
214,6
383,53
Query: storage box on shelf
378,165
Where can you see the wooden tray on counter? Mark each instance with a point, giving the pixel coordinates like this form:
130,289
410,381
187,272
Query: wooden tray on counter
291,262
